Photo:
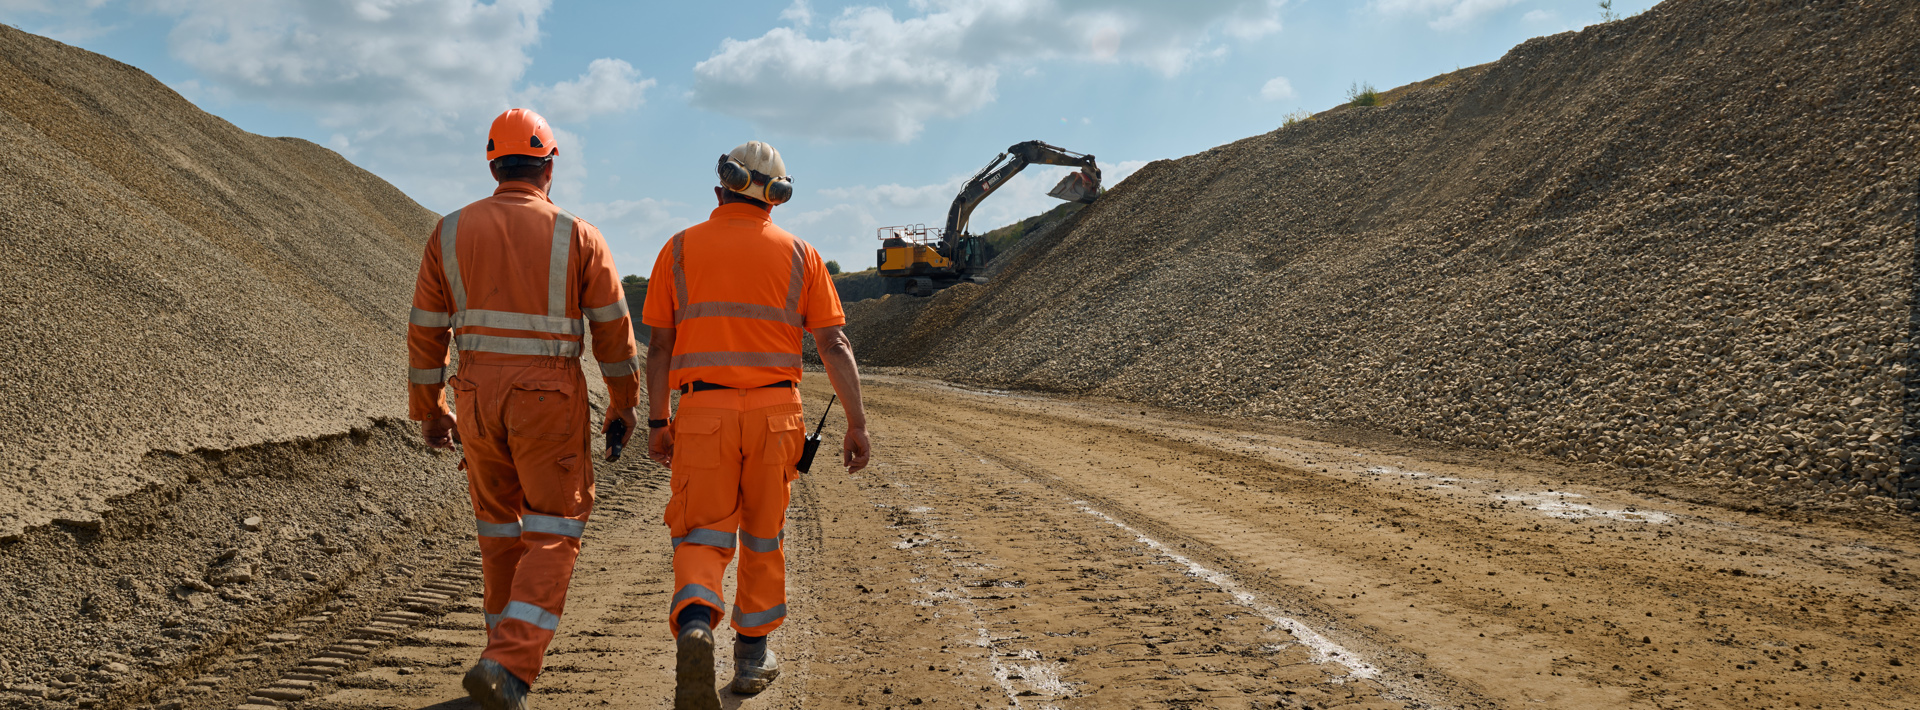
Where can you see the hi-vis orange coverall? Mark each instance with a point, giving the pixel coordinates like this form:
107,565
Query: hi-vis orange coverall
737,290
509,278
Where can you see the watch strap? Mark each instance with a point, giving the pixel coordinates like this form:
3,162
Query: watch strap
657,423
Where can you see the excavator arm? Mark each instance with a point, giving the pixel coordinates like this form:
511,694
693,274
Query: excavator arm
1083,186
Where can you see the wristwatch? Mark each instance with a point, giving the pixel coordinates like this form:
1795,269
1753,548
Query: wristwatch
657,423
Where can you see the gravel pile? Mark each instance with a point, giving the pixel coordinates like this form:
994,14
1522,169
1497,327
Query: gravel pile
1682,243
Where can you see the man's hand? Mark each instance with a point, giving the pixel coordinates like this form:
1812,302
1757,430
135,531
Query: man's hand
855,449
619,415
441,432
660,445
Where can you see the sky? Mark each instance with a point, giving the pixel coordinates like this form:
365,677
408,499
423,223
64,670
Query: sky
880,110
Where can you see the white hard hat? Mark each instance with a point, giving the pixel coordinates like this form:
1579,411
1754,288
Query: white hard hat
755,169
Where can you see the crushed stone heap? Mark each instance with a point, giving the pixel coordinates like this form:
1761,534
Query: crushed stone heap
171,283
1681,243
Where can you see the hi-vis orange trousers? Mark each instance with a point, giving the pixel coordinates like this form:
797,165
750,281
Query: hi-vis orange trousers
734,453
524,430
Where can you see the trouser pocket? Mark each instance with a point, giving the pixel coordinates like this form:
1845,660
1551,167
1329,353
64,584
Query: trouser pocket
786,436
541,410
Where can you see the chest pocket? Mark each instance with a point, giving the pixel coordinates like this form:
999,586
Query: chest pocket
541,410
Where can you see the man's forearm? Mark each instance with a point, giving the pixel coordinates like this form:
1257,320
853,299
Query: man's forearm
844,372
659,363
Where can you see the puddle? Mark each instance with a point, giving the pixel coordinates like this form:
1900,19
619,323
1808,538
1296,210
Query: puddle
1557,505
1324,649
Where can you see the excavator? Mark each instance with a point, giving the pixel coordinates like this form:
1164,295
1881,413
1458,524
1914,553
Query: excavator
930,259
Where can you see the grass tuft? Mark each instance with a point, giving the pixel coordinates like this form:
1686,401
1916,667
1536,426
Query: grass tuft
1362,94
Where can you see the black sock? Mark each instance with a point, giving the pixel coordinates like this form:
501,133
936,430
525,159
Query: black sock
695,614
749,647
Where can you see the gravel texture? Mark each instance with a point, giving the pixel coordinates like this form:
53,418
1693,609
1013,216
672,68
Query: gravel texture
1683,243
172,283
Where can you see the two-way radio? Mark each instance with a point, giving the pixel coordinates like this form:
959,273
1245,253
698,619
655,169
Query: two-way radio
813,442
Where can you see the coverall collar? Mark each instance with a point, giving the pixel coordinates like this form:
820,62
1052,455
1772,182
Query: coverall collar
521,186
742,210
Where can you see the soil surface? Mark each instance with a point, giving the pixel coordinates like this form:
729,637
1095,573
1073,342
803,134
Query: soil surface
1009,550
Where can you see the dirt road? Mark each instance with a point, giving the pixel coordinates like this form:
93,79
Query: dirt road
1015,551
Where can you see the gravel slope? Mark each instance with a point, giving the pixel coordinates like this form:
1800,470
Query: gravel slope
173,283
1681,244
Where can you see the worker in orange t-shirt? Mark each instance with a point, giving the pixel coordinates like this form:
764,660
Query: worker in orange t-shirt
509,280
728,301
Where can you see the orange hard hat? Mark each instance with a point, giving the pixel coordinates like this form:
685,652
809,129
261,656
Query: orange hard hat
520,132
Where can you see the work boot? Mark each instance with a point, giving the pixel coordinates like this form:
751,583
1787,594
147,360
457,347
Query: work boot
752,675
693,681
494,688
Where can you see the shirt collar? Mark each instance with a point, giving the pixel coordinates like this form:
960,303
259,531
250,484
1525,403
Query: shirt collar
520,186
742,210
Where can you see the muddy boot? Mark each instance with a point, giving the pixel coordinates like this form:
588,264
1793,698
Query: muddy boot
753,674
494,688
693,681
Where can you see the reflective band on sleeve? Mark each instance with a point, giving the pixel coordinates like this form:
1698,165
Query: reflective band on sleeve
494,620
759,618
762,544
680,270
532,615
700,592
620,369
497,529
430,319
519,321
426,377
710,538
521,346
557,265
552,525
797,277
450,258
725,359
724,309
607,314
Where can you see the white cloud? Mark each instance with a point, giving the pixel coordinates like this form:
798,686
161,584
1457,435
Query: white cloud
1277,89
610,86
799,13
1538,16
879,77
1451,14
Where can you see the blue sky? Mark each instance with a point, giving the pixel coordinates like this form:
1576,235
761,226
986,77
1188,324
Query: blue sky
880,109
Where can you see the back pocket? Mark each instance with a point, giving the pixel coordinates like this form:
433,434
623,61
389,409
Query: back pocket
696,442
541,410
786,434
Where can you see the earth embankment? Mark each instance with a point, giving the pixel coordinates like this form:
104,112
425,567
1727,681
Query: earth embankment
1681,244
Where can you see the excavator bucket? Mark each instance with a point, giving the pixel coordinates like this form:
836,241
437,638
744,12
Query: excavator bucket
1076,187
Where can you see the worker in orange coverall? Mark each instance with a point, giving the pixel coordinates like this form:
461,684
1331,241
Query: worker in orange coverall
509,279
727,302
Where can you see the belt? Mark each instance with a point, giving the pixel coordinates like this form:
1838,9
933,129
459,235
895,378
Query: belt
698,386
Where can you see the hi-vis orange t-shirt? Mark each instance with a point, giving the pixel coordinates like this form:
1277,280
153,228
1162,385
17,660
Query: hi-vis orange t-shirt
738,291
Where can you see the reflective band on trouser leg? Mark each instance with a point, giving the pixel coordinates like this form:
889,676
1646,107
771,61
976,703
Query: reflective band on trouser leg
426,377
494,619
430,319
734,359
762,544
450,259
497,529
710,538
620,369
531,614
552,525
557,265
759,618
689,594
520,346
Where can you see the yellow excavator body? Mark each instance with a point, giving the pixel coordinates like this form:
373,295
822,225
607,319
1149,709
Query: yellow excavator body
912,259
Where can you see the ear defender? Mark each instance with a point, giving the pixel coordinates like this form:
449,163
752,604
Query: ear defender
738,178
733,176
779,190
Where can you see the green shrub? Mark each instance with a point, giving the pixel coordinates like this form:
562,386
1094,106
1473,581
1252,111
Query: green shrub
1362,94
833,267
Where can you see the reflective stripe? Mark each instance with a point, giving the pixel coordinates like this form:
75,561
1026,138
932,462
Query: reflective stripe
521,346
729,359
762,544
759,618
557,265
607,314
450,258
519,321
695,591
552,525
794,280
429,319
724,309
497,529
494,620
620,369
426,377
532,615
710,538
680,271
